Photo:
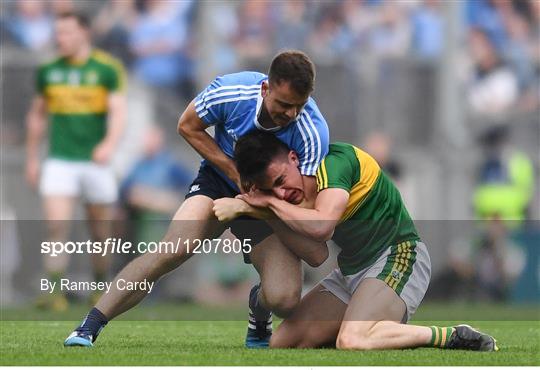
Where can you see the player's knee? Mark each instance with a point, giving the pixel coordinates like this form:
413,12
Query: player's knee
282,304
284,337
318,258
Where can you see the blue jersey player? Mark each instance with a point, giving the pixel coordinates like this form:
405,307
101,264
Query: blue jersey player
235,105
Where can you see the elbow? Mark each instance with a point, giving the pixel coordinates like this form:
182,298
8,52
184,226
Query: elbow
322,235
318,257
181,128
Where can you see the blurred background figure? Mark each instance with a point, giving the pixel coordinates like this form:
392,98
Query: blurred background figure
62,6
154,188
224,279
80,102
31,26
494,87
256,25
112,27
161,42
487,266
428,30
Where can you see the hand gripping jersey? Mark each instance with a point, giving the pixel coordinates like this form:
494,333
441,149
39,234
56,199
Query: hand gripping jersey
375,217
76,100
231,104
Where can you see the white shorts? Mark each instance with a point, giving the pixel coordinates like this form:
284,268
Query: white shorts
94,182
406,268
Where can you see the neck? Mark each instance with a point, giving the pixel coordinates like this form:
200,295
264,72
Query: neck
82,54
264,118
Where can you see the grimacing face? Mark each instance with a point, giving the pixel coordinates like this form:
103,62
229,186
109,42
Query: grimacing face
283,179
70,36
282,103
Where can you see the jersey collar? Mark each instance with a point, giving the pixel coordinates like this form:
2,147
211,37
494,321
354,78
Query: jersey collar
258,110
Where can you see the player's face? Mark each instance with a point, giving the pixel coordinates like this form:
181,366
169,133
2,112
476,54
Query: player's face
70,36
283,179
282,103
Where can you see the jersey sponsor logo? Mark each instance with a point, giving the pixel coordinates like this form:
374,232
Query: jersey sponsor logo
91,77
396,274
55,76
69,99
74,78
194,188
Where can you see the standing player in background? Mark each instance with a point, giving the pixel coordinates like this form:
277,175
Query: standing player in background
81,100
235,105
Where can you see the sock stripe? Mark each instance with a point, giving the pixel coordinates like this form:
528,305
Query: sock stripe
443,336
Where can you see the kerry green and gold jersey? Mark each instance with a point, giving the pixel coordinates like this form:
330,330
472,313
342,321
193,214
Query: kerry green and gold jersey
76,96
375,217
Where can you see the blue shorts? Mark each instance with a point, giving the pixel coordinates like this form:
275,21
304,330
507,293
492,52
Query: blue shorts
209,183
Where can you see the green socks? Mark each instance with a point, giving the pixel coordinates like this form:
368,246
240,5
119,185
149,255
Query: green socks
440,336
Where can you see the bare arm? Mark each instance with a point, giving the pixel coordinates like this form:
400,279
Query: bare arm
116,119
313,252
318,223
193,130
36,122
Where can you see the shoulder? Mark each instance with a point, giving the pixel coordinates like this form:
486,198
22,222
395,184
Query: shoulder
241,79
106,60
342,150
52,63
313,116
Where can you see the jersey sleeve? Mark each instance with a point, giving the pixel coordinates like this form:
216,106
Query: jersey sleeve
41,80
116,77
312,143
207,104
339,169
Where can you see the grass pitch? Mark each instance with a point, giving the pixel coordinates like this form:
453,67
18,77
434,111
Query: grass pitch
143,342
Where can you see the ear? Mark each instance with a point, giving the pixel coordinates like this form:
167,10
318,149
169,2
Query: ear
293,157
264,88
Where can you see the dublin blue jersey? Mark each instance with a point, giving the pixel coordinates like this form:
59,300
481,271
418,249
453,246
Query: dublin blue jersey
231,104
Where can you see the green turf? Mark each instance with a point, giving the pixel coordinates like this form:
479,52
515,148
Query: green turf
221,343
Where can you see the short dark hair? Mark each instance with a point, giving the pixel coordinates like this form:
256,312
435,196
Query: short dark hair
253,154
294,67
81,19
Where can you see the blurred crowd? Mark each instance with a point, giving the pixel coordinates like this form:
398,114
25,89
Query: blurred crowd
161,40
172,48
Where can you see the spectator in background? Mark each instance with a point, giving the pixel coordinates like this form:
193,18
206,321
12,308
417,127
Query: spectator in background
161,44
487,16
494,87
221,57
428,29
157,183
391,35
112,27
378,145
62,6
256,25
292,28
518,50
330,39
31,26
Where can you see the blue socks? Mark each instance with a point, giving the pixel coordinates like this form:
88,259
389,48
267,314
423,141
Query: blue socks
259,312
93,323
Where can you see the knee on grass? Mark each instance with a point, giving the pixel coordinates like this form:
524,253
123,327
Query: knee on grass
294,336
281,304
